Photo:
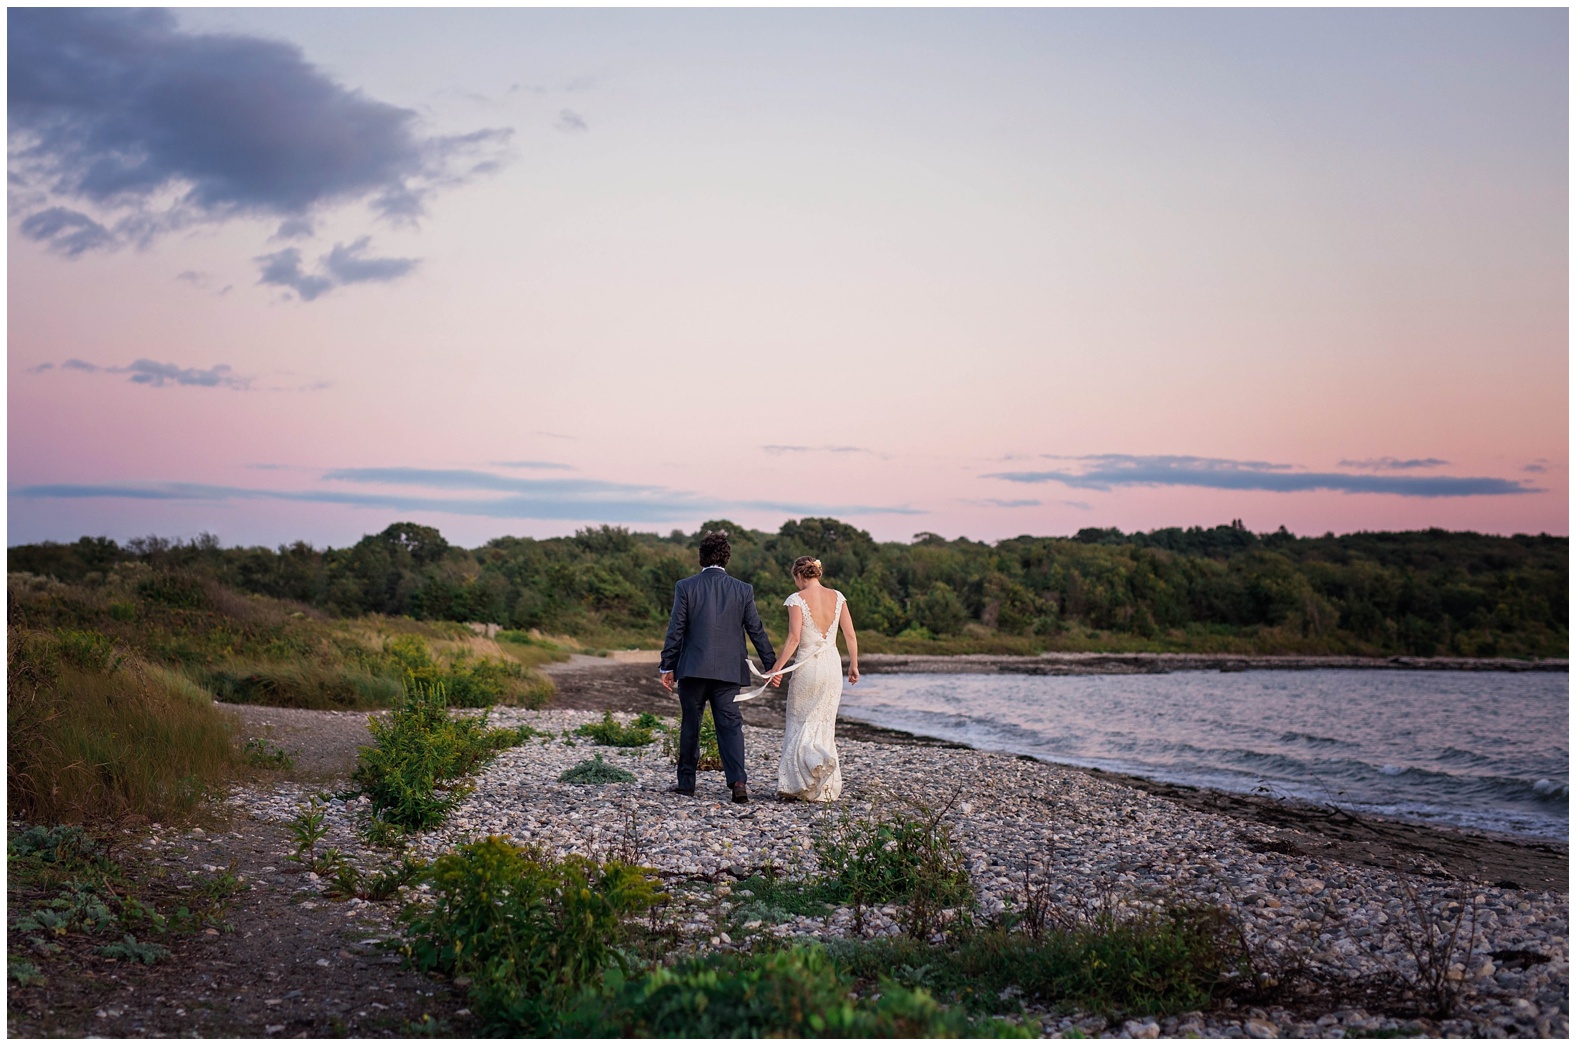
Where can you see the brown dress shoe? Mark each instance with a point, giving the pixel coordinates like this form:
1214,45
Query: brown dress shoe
681,790
741,794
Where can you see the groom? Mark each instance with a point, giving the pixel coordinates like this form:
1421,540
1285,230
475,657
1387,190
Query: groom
704,652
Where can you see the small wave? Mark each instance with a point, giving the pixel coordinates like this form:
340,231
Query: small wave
1391,770
1292,737
1552,789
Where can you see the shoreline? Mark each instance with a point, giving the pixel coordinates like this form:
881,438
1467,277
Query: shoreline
1059,664
628,685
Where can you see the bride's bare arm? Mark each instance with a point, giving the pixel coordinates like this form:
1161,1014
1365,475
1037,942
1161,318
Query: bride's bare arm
852,642
795,626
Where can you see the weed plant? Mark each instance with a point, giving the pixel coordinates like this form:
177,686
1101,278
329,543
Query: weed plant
1162,962
773,899
905,854
710,754
595,772
420,749
529,930
611,732
94,733
266,755
795,993
67,892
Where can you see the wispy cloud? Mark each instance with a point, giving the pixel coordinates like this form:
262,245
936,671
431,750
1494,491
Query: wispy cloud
1105,471
571,122
534,465
1539,466
125,128
158,375
444,490
781,448
1393,464
1003,502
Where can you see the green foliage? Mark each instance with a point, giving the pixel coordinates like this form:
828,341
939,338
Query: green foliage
263,753
23,972
710,754
647,721
92,733
420,749
905,854
381,884
775,899
1161,962
796,993
529,930
308,828
1215,590
595,772
130,948
611,732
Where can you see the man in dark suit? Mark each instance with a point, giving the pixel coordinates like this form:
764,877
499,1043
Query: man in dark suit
705,655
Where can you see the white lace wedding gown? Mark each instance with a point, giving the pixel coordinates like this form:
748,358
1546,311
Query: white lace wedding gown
810,769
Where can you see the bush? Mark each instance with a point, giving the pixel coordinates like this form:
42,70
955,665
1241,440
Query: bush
710,754
94,734
902,855
468,681
291,685
797,993
611,732
1162,962
529,930
419,749
593,772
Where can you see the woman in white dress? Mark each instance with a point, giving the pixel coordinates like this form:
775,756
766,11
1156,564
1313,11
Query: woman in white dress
810,769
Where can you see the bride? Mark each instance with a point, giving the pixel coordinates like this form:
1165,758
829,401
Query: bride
809,768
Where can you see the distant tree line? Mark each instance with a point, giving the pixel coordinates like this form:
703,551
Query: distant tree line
1419,592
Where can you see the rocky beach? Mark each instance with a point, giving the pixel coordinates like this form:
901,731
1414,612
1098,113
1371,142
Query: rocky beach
1341,904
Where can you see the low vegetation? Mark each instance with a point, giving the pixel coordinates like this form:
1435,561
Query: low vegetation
73,902
411,772
553,946
254,649
594,772
710,754
610,731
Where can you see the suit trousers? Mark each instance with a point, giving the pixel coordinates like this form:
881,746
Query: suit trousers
694,694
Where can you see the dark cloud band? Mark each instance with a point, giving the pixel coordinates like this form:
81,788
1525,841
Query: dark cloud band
1105,471
557,499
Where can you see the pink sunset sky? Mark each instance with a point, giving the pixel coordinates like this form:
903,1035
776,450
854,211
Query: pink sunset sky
297,274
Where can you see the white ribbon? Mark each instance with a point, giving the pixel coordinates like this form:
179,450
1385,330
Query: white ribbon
758,674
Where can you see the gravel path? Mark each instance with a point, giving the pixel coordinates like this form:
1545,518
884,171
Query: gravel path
1090,837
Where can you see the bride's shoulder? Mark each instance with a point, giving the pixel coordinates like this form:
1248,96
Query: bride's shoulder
794,600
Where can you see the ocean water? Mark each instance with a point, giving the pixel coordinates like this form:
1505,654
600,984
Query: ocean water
1483,750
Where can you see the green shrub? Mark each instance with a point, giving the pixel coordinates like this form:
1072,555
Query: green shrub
469,682
528,930
797,993
902,855
774,899
263,753
594,772
710,754
1152,963
420,748
611,732
291,685
130,948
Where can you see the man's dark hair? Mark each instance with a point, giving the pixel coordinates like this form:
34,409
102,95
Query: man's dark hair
714,549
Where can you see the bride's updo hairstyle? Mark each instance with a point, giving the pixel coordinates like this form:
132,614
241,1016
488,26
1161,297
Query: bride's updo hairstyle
807,567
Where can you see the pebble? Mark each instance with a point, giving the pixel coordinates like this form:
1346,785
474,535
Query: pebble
1086,837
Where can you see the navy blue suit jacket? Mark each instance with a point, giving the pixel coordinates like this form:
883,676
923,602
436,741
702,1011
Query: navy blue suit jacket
711,613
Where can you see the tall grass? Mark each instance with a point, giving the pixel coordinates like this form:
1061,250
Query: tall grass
94,733
252,649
